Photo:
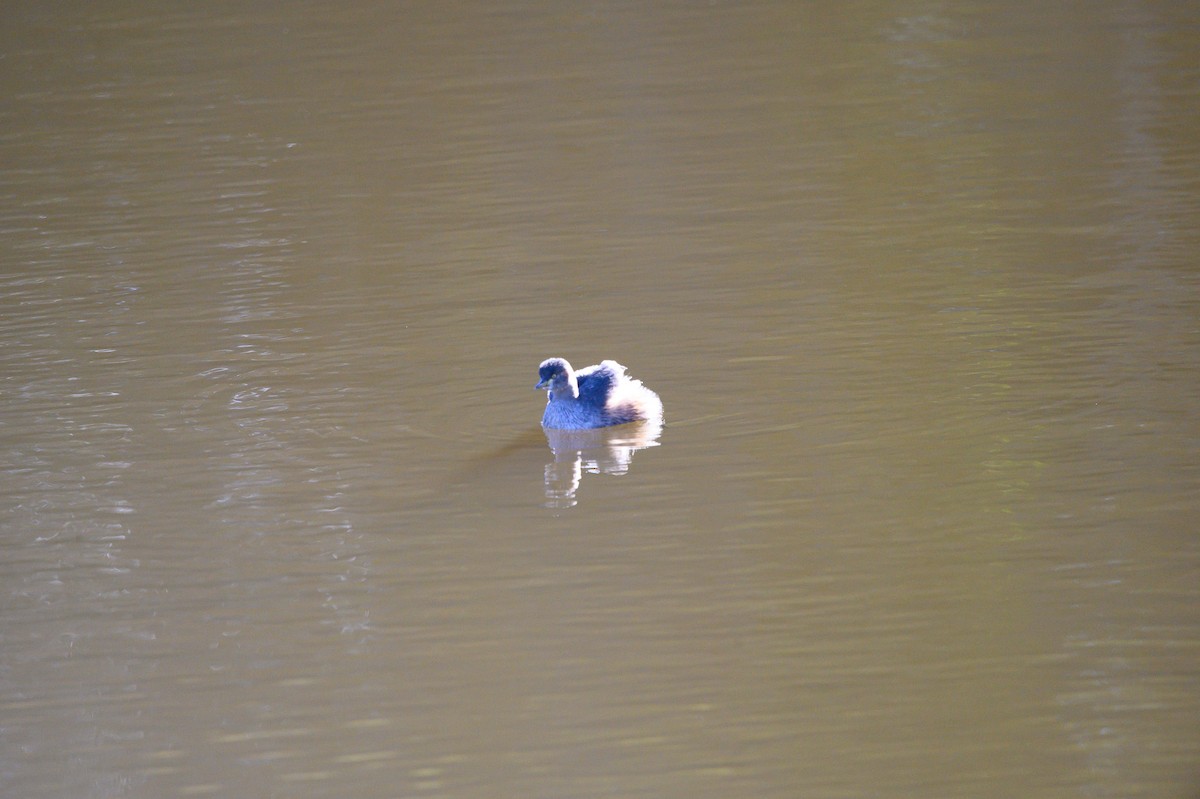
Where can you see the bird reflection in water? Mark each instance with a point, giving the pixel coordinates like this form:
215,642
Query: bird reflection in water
603,450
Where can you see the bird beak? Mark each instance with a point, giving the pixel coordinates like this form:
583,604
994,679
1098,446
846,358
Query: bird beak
542,384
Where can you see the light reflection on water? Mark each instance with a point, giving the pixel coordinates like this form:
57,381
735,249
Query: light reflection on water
604,451
919,303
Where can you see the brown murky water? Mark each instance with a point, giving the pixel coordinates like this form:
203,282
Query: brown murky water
917,284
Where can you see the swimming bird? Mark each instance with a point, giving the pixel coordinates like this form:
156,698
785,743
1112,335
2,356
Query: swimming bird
596,396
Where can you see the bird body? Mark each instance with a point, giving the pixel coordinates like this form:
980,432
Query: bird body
596,396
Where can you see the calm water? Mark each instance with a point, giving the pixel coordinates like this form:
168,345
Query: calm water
917,284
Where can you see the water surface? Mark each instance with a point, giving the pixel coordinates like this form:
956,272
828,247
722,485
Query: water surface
917,285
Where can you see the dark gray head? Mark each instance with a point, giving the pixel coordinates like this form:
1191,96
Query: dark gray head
556,376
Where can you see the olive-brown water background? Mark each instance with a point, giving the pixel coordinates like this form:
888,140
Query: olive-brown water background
917,283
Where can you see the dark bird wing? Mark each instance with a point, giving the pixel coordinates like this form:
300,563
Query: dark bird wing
596,383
